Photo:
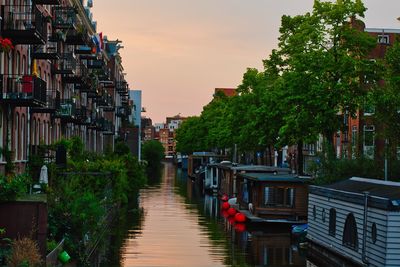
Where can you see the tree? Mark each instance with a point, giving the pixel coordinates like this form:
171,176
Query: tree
191,136
153,153
322,59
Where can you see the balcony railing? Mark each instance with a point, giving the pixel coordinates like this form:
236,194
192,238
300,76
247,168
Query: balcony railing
77,37
121,86
47,51
23,24
106,126
64,18
47,2
65,65
67,110
78,76
23,91
81,116
122,111
52,103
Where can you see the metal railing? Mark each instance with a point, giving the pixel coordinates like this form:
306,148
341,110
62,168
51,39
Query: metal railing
27,87
64,18
23,18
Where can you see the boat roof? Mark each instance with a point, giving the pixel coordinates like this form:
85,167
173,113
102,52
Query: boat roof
270,177
383,194
252,168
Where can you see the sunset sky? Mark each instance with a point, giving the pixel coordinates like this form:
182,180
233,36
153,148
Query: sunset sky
178,51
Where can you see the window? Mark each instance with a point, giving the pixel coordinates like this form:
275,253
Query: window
350,236
383,39
373,233
314,211
279,197
16,136
369,141
332,222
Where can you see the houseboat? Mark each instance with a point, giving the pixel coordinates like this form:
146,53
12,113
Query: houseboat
357,219
223,175
272,197
197,166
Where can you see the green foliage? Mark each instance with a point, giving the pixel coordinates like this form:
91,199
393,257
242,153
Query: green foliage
121,148
153,153
330,171
82,196
12,187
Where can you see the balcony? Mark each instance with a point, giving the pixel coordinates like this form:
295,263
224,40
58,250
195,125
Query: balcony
106,126
79,75
81,116
48,51
106,102
95,64
47,2
64,18
66,65
77,37
23,24
52,103
121,87
67,110
23,91
123,111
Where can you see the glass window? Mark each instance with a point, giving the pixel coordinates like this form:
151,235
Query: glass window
374,233
279,196
332,222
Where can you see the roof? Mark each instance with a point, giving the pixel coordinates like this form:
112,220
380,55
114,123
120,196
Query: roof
383,194
270,177
226,91
381,30
252,168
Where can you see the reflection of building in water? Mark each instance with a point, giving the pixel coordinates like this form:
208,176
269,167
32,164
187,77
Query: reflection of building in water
275,249
211,206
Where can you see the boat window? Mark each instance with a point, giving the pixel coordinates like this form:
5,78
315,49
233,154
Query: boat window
374,233
332,222
279,197
314,211
350,236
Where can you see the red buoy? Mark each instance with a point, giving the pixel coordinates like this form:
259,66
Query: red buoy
224,197
240,217
240,227
225,214
231,211
225,206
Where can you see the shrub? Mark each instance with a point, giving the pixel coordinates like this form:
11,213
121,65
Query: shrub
24,252
12,187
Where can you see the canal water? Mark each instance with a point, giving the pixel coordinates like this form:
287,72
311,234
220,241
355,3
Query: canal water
176,225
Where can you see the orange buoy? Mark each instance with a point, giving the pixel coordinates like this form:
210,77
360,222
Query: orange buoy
231,211
225,206
224,197
240,217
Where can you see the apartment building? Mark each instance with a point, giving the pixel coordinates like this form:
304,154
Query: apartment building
60,79
362,135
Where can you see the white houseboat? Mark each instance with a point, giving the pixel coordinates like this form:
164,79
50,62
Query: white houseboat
357,219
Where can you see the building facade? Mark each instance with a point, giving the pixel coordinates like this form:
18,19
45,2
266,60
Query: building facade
61,79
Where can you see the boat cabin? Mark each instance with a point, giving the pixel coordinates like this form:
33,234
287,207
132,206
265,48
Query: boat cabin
225,174
357,219
198,160
273,197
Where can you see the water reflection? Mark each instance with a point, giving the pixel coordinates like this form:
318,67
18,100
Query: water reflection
181,227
